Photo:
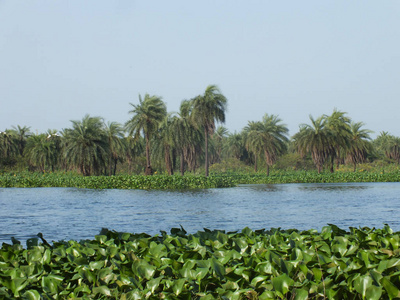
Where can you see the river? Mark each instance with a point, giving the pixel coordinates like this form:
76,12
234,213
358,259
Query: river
71,213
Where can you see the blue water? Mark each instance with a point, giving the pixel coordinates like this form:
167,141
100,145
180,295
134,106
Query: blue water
70,213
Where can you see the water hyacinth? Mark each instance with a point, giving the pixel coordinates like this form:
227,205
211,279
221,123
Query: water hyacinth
187,181
115,182
361,263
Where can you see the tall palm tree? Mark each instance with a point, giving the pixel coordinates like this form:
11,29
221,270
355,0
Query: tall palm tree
339,125
147,116
114,134
21,134
217,140
269,136
359,144
315,139
134,152
164,142
8,144
187,137
86,146
235,145
388,145
208,109
251,143
42,151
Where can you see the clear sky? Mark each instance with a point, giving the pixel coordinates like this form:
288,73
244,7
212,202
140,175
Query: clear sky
63,59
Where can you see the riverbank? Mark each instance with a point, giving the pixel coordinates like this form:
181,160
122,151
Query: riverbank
265,264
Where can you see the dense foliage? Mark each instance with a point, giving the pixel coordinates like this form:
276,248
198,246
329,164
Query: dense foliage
363,263
153,140
223,180
115,182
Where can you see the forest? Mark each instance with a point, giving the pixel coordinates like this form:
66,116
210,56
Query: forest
154,141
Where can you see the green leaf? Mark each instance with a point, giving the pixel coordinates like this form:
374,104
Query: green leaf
32,295
178,286
300,294
104,290
374,292
218,268
265,267
317,274
49,285
391,289
282,284
143,269
153,284
361,284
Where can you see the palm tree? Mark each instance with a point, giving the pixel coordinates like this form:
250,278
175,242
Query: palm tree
86,146
251,143
315,139
217,140
268,137
389,145
359,144
8,144
21,134
134,152
208,109
339,125
235,145
164,142
114,133
187,137
42,151
147,116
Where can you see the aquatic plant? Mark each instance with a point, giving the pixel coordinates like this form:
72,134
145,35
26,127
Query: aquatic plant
361,263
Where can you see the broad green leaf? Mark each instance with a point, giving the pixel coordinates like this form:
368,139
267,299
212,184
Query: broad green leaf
361,284
143,269
104,290
178,286
258,279
282,284
374,292
31,295
391,289
317,274
49,285
153,284
300,294
265,267
218,268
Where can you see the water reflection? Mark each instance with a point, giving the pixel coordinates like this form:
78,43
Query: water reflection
69,213
333,186
261,187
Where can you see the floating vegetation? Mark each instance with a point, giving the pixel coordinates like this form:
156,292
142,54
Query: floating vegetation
114,182
187,181
362,263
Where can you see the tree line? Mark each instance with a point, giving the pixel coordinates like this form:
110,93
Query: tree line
189,140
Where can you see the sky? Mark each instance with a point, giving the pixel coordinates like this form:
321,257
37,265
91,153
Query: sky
61,60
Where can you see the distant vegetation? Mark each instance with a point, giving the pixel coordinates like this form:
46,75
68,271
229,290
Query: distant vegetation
154,141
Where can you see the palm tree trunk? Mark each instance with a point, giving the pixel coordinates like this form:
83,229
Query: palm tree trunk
206,149
255,162
148,170
167,159
267,170
182,163
115,166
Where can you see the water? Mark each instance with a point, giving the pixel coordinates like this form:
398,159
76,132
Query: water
70,213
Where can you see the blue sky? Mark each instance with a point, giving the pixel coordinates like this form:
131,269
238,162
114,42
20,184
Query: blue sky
61,60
